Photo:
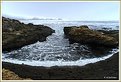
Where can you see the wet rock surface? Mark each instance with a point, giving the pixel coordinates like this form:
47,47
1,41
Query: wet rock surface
16,34
104,70
84,35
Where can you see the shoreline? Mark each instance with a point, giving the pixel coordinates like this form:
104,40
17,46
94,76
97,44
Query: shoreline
102,70
16,37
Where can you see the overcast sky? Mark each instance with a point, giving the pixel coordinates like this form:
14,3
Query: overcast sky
101,11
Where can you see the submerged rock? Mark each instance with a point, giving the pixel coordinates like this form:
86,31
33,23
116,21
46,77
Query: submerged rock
84,35
16,34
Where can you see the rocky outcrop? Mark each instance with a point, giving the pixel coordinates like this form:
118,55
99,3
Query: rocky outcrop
84,35
16,34
68,29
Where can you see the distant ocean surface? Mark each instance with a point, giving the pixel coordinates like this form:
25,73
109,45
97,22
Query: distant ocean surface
91,24
56,50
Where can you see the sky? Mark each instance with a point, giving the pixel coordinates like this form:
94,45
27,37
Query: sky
90,11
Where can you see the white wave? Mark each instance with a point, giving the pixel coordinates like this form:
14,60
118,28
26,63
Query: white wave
80,62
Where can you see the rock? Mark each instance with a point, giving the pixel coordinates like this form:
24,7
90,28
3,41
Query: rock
9,75
22,34
84,35
112,33
68,29
107,29
83,26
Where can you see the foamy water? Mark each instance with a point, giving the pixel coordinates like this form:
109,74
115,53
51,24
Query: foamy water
80,62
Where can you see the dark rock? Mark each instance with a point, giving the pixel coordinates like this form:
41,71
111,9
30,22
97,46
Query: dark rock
106,29
112,33
83,26
84,35
67,30
16,34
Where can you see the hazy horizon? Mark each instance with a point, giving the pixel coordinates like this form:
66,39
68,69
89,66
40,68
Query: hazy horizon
79,11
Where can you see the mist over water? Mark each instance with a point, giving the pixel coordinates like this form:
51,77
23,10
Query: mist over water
57,50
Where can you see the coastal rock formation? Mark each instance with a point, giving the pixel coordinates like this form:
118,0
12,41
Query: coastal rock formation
84,35
16,34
